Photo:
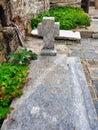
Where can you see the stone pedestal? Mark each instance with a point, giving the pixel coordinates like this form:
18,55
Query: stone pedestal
96,4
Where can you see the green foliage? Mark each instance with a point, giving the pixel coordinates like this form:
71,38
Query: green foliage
69,17
3,112
23,57
12,79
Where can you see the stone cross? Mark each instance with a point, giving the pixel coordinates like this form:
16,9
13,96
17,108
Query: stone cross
48,29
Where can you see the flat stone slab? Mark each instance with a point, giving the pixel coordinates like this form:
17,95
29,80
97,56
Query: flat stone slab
64,34
56,98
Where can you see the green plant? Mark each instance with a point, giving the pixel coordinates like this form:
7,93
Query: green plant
12,79
23,57
69,17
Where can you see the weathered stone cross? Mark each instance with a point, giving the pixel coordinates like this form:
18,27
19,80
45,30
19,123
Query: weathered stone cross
48,29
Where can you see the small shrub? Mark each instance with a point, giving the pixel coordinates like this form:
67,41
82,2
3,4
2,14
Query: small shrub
12,79
23,57
69,17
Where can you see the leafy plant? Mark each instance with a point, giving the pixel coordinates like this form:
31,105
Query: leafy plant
12,79
23,57
69,17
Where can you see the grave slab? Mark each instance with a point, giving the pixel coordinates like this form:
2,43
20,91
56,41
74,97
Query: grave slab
56,98
64,35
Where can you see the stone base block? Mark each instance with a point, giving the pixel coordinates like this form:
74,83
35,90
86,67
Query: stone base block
95,35
48,52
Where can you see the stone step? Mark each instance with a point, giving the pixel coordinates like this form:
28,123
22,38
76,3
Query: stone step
56,98
64,34
91,31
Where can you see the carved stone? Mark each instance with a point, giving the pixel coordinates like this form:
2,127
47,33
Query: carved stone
48,29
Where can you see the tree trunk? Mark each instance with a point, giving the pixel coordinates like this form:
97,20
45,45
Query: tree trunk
85,5
96,4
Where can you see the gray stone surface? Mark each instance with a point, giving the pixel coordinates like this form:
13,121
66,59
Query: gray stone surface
48,29
95,82
90,55
56,98
77,53
71,35
96,105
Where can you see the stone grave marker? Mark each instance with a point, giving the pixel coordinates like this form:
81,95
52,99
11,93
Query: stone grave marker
48,29
56,98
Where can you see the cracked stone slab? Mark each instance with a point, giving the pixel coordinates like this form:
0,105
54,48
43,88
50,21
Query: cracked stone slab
56,98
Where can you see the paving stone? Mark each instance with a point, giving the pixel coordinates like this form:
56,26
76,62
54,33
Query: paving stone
61,49
76,47
96,48
87,45
87,74
96,106
94,73
88,48
77,53
86,42
94,42
90,55
56,98
95,82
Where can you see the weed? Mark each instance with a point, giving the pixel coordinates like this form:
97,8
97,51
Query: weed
23,57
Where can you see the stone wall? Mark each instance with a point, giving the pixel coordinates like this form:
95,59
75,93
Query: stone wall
24,10
2,48
5,11
9,42
65,2
21,11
